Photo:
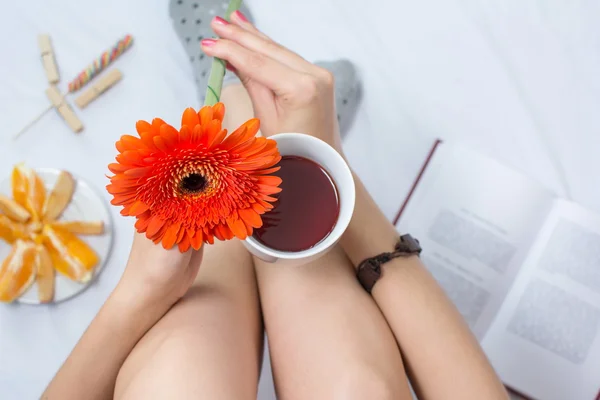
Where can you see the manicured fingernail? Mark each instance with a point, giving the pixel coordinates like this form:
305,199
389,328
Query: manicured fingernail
208,42
241,16
221,21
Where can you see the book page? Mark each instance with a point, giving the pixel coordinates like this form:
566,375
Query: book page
476,220
545,341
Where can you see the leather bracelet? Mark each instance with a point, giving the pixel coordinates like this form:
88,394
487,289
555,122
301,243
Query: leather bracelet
369,271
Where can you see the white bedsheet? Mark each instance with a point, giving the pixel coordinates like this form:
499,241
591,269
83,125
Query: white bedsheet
517,80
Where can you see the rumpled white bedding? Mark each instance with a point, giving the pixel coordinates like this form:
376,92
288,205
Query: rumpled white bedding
518,80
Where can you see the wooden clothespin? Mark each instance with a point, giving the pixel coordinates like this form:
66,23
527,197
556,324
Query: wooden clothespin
99,87
48,59
64,109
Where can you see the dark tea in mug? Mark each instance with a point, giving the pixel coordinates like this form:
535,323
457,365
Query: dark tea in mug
306,210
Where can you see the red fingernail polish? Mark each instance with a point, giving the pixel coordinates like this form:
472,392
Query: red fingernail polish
241,16
221,21
208,42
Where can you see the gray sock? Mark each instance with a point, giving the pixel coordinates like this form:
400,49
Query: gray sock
347,91
191,20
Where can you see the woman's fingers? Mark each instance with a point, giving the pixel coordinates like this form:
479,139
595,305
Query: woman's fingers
240,20
251,65
258,43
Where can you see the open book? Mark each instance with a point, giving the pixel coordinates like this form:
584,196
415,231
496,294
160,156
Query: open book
521,265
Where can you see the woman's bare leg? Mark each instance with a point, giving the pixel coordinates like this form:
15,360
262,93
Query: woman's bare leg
327,338
209,345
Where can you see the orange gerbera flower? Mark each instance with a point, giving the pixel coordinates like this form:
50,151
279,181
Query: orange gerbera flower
186,187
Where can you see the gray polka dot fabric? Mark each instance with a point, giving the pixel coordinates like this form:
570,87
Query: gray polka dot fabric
191,20
347,91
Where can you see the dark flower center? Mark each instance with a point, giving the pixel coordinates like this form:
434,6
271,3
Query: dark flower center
193,183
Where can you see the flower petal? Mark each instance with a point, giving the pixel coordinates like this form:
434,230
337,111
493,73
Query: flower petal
154,227
269,180
142,223
142,126
128,142
185,244
218,139
209,238
138,172
250,217
266,171
138,208
268,189
190,118
244,133
219,111
156,124
197,134
205,114
197,240
185,134
130,157
210,132
117,168
258,208
170,135
170,237
161,144
237,227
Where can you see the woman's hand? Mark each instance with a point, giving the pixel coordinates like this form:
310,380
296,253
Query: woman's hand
157,276
288,93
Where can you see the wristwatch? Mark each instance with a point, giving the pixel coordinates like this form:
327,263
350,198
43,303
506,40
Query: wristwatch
369,271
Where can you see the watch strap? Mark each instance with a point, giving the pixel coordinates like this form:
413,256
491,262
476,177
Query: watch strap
369,271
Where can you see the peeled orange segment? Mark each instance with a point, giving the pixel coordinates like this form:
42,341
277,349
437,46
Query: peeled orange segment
13,210
28,190
44,275
6,229
19,185
10,231
81,227
60,197
17,272
70,255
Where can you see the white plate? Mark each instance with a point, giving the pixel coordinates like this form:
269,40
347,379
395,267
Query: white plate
86,205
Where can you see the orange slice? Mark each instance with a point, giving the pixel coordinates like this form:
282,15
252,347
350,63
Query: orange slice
19,185
60,197
17,272
70,255
13,210
28,190
44,275
10,231
81,227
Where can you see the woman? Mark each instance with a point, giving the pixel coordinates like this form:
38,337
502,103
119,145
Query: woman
174,328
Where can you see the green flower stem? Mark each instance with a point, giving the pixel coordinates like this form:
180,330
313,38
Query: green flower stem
217,71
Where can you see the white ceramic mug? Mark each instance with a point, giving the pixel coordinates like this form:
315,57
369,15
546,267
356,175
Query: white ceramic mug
301,145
